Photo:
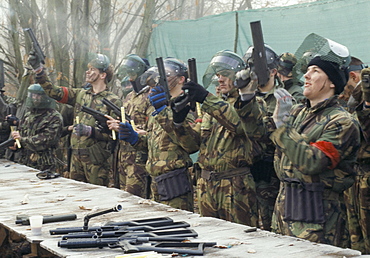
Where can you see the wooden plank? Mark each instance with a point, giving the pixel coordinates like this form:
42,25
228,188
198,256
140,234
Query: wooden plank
63,196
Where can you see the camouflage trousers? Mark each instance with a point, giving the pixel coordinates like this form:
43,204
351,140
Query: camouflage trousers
333,232
266,198
82,169
184,202
357,199
133,177
232,199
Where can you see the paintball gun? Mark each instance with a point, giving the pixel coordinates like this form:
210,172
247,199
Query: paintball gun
115,109
186,248
163,77
35,44
24,219
7,143
105,242
192,70
2,76
259,54
99,116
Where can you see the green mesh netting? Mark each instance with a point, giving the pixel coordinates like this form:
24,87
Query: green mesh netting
284,29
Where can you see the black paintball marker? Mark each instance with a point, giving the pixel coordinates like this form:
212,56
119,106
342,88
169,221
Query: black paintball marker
113,242
7,143
115,109
2,75
87,218
99,116
35,44
259,54
184,99
116,231
163,77
24,219
182,232
186,248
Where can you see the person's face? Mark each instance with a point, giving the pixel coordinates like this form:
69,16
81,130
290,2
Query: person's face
36,99
92,74
225,83
317,84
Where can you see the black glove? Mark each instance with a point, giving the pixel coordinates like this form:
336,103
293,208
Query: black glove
196,91
83,130
12,119
180,116
34,60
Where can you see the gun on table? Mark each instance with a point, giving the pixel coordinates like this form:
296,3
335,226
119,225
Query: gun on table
192,70
115,109
35,45
163,77
183,232
116,231
105,242
259,54
120,229
24,219
186,248
7,143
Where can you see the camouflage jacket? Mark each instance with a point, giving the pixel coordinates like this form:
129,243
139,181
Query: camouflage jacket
224,142
166,150
300,145
40,132
363,115
79,97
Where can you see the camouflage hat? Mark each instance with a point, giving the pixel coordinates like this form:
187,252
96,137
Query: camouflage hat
286,63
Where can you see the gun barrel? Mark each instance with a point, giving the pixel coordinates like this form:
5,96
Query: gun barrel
2,75
7,143
36,45
46,219
259,53
163,76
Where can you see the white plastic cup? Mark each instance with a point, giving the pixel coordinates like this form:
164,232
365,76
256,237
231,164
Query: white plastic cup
36,224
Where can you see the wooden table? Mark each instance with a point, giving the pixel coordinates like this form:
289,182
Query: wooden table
59,196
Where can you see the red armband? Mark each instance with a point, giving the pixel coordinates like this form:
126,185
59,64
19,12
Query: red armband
65,96
329,150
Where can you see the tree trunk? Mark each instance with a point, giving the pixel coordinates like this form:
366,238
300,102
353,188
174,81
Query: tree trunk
146,28
80,12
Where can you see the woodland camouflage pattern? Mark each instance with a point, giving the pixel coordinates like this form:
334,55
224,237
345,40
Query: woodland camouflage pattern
40,133
226,147
357,197
131,163
82,166
168,152
295,157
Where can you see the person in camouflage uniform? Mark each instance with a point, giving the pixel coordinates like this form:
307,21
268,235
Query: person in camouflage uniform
225,185
133,177
89,141
357,197
8,111
39,131
292,84
316,148
350,98
267,183
168,157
